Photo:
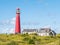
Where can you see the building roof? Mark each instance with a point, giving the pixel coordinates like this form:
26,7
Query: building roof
44,30
41,30
30,30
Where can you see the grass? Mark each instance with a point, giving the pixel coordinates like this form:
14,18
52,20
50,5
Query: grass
25,39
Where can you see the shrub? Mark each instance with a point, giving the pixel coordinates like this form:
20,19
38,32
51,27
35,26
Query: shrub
34,38
31,41
35,34
12,43
58,36
24,35
3,40
26,39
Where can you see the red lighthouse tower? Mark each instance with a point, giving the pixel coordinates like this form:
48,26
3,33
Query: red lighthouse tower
17,26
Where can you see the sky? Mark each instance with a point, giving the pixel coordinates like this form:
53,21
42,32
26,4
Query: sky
33,14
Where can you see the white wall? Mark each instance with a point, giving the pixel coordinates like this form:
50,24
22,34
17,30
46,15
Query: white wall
28,32
43,34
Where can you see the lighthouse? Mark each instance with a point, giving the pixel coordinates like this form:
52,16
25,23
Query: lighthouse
17,24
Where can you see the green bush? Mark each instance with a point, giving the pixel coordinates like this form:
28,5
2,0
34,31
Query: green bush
12,43
3,40
31,41
34,38
26,39
35,34
24,35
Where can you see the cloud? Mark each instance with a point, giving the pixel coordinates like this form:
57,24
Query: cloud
13,21
47,26
8,25
7,30
8,22
4,22
11,30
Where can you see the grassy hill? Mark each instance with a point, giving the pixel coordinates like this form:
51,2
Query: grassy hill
25,39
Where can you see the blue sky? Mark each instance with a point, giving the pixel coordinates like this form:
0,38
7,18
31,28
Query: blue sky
34,14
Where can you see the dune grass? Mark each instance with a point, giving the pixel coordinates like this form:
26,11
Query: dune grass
25,39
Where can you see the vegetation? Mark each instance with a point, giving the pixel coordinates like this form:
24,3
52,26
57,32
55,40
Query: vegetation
25,39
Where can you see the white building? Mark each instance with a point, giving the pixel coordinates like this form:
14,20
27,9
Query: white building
29,31
46,32
40,32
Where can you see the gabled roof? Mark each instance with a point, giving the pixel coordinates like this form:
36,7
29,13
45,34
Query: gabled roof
30,30
44,30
